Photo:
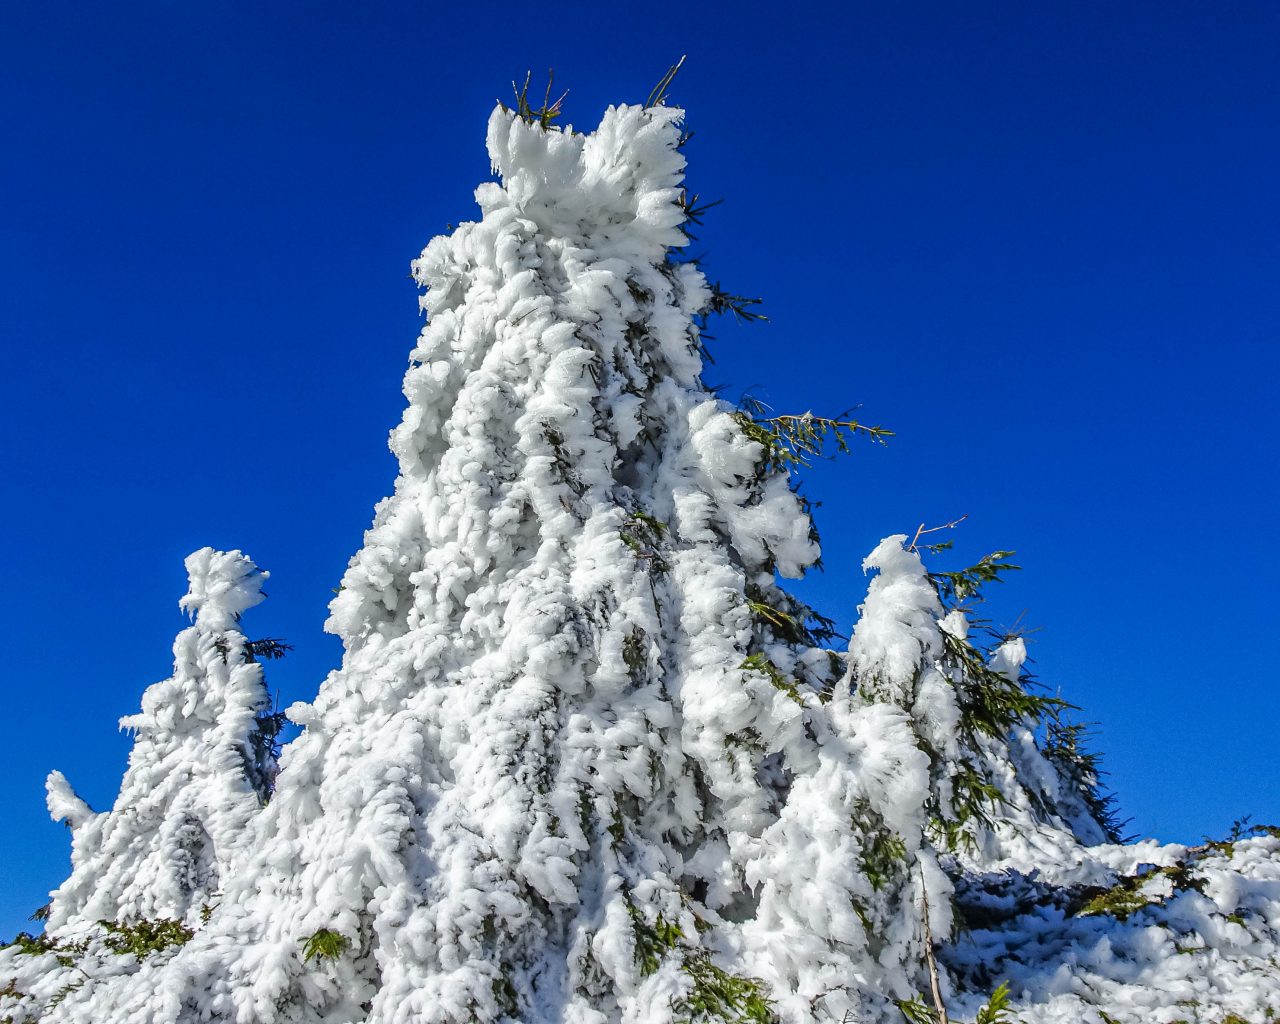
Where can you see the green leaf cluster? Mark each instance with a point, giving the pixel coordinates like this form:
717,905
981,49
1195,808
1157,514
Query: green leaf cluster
789,441
643,535
794,624
719,995
1066,746
716,994
759,662
326,944
966,583
991,705
996,1009
1131,894
142,938
544,115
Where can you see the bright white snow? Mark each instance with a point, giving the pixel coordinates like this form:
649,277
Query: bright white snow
575,766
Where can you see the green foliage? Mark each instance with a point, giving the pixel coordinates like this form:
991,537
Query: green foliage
326,944
997,1007
658,94
545,115
267,745
643,534
974,799
1067,747
719,995
1120,901
31,945
996,1010
795,624
883,855
747,739
1240,829
139,939
561,459
1134,892
584,811
269,648
795,440
716,994
506,996
63,992
966,583
759,662
142,938
739,307
991,705
37,945
617,831
915,1011
653,941
633,652
694,211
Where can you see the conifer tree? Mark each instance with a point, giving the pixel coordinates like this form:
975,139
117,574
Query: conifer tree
201,767
585,761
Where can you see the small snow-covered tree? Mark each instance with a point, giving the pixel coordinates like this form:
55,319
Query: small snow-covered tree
973,709
202,765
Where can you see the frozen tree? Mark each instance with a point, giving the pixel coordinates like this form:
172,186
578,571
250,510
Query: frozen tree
584,760
201,767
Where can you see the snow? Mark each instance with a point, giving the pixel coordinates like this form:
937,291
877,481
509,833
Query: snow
195,778
568,770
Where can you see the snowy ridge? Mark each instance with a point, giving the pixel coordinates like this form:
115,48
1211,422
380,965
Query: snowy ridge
584,761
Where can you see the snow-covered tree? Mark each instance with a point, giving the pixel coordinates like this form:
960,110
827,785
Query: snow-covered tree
585,761
201,767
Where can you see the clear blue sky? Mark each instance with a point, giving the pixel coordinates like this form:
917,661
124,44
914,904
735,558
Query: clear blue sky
1040,241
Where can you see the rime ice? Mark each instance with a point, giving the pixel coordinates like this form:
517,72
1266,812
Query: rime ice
583,760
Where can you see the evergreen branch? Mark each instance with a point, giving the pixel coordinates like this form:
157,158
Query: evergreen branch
795,440
326,944
543,116
722,302
658,94
271,648
142,938
760,662
992,704
921,531
693,213
966,583
1066,747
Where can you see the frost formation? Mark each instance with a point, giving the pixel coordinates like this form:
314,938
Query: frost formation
584,761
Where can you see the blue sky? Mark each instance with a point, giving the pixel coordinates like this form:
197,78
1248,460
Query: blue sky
1039,241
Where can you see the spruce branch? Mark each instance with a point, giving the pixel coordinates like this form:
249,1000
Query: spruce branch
722,302
543,116
1067,746
326,944
658,94
693,211
271,648
795,440
934,548
967,583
